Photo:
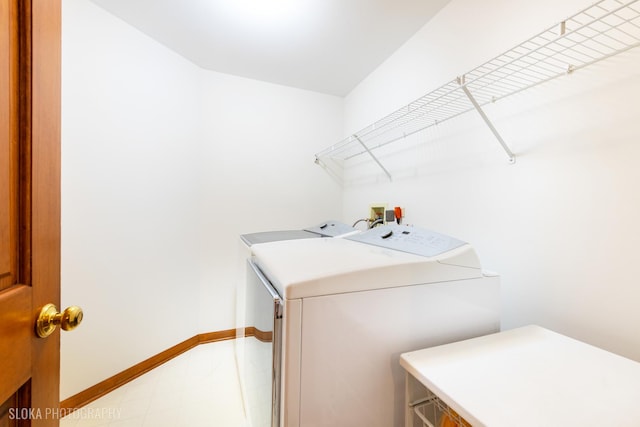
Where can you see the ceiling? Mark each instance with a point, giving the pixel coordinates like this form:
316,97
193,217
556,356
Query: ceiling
326,46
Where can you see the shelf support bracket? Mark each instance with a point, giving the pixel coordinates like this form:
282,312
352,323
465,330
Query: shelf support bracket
505,147
375,159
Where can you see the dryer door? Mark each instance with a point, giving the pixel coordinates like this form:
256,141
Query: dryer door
261,366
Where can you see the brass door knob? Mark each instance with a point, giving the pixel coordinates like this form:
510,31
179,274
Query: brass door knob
49,318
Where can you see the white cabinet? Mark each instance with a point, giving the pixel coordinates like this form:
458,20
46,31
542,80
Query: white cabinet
525,377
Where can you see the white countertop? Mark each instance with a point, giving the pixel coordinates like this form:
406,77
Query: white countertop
530,376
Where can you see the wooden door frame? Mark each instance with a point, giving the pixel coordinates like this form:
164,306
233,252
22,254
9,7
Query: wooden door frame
45,161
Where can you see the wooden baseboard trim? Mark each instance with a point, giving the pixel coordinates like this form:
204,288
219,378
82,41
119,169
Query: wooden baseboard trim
258,334
95,392
208,337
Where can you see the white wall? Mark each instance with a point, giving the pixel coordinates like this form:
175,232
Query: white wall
258,174
163,166
560,225
129,228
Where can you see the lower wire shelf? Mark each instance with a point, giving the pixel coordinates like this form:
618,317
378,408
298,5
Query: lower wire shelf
433,412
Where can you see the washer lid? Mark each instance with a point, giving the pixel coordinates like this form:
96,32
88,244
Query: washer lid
314,267
325,229
275,236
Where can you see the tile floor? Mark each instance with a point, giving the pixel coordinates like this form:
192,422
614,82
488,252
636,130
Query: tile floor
199,388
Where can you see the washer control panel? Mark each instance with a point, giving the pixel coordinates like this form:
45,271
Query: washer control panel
418,241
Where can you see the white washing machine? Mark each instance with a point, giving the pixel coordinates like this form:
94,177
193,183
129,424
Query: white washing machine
337,313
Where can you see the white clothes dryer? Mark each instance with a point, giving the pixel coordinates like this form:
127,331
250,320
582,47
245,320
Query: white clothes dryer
337,313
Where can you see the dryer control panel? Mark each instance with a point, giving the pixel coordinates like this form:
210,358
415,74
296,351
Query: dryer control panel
418,241
331,229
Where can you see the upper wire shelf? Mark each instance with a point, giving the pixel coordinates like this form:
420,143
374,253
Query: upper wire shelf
600,31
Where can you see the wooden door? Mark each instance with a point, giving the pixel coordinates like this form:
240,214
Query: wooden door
29,209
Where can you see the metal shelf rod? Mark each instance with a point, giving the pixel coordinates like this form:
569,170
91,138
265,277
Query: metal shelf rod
505,147
373,157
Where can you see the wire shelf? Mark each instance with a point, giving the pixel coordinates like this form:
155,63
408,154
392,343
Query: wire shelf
433,412
600,31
